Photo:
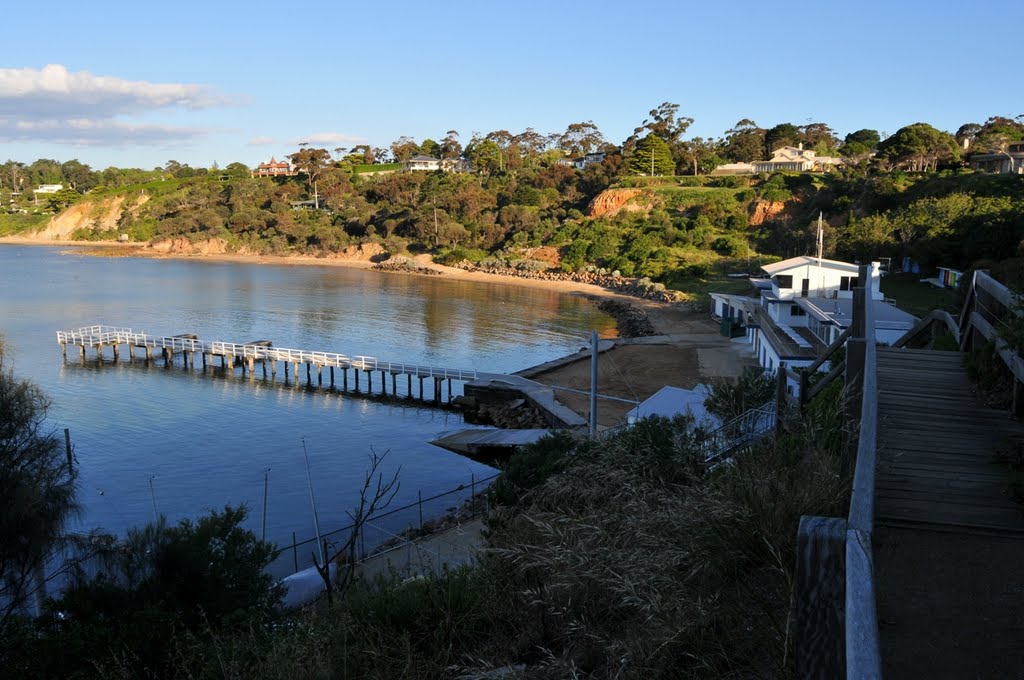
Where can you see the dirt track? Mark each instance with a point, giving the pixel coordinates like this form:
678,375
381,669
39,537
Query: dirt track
689,351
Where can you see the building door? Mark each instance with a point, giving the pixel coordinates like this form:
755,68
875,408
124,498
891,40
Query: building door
805,287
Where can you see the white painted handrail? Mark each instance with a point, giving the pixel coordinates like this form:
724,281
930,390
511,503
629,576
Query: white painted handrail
108,335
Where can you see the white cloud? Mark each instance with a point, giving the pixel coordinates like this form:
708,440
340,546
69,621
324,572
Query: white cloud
329,139
261,141
54,104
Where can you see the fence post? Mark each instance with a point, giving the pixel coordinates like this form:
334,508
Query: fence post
780,398
805,384
419,494
821,598
295,552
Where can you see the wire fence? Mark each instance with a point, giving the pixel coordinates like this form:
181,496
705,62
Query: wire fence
392,525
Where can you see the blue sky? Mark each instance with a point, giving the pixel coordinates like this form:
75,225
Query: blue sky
137,84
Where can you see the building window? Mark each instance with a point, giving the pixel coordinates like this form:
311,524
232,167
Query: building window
847,282
797,311
784,281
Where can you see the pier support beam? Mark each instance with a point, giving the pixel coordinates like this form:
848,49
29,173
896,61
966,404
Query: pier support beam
356,373
273,368
421,388
409,385
309,379
115,351
319,375
394,384
149,353
383,382
449,389
64,349
369,382
332,376
344,378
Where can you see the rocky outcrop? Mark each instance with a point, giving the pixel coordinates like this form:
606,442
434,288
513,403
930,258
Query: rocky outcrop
398,263
611,201
631,321
764,211
363,251
182,246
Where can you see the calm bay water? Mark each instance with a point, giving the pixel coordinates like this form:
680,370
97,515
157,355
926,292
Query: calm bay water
188,441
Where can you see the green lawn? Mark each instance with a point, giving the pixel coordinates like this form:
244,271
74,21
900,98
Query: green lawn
918,298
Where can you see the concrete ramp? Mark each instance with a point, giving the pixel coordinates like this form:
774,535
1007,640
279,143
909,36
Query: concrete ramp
478,441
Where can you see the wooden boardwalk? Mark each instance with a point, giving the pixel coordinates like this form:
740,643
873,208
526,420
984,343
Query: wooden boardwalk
949,541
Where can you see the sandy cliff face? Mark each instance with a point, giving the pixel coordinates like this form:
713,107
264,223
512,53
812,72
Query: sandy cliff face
102,214
611,201
763,211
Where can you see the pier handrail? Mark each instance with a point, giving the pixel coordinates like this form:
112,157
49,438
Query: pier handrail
104,335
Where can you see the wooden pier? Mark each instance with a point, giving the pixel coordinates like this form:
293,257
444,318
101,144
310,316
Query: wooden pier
435,383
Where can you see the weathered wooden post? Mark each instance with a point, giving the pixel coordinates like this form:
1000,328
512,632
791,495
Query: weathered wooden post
64,350
369,381
309,373
332,376
344,378
319,375
67,446
355,372
821,598
856,346
421,387
149,354
449,389
394,384
408,377
115,352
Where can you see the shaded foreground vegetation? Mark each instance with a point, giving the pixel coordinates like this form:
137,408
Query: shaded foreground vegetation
621,557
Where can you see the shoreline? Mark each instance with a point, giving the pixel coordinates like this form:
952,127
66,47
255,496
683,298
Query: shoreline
109,249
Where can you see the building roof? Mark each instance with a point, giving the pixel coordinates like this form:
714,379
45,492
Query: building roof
672,401
801,260
424,159
840,312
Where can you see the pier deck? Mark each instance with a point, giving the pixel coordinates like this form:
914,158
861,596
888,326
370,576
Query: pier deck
247,355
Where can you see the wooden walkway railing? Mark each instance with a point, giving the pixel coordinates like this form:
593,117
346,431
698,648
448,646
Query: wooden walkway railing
837,621
837,625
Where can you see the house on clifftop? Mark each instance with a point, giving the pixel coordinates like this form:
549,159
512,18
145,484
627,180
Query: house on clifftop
1010,161
797,159
274,168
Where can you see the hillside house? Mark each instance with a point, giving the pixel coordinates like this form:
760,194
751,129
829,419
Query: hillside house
431,164
1010,161
48,188
804,304
797,159
274,168
583,162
